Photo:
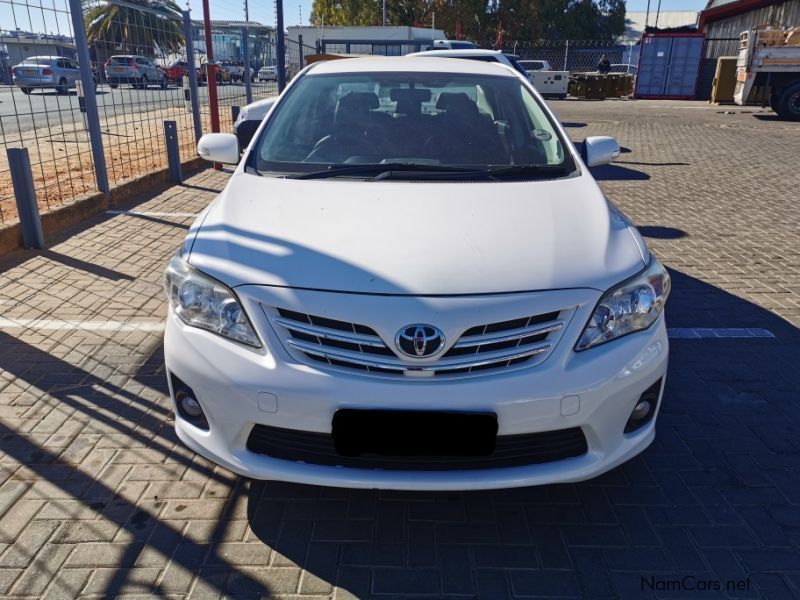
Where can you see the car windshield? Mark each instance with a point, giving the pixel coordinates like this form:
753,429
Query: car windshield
420,119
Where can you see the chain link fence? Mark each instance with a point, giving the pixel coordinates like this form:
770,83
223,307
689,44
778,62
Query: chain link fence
141,56
575,56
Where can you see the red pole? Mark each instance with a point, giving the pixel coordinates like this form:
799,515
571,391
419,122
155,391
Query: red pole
211,71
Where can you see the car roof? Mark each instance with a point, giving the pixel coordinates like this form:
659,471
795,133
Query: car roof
459,52
412,63
44,57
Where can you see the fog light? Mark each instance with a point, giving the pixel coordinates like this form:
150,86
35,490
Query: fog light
186,404
645,408
639,412
189,404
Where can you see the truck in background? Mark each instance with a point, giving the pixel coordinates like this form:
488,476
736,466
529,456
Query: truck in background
768,69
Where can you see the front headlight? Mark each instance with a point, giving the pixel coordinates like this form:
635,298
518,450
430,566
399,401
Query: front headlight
200,301
630,306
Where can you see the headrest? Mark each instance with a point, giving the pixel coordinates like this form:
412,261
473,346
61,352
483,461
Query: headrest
410,95
359,101
454,100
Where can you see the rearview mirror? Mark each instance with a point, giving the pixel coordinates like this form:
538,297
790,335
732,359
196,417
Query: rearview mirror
219,148
599,150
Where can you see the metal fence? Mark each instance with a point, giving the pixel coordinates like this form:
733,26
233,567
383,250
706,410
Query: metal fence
138,61
575,56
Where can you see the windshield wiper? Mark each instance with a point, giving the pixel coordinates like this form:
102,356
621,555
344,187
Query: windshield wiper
380,170
383,171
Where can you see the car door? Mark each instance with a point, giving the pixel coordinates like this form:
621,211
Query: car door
144,67
73,71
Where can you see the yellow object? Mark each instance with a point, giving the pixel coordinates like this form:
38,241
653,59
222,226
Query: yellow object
724,80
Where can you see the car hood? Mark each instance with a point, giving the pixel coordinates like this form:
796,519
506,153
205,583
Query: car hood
400,237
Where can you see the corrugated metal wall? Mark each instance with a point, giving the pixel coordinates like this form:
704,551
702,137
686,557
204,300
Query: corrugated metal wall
722,37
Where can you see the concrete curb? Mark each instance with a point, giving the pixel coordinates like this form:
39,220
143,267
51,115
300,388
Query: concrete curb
88,205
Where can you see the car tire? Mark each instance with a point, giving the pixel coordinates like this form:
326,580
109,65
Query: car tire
62,87
25,91
113,86
788,105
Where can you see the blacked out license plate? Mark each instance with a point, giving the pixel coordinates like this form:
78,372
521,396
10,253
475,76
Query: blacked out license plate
414,433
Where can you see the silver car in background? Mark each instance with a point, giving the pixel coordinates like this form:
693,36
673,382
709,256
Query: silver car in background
138,71
54,72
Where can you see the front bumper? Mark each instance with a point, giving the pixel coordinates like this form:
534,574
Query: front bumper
229,379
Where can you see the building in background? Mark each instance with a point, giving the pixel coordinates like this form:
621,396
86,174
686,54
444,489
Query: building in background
226,40
387,41
723,21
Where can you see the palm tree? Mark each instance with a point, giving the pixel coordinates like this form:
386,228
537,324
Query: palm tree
118,28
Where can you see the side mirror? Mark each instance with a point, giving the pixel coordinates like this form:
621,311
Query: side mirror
599,150
219,148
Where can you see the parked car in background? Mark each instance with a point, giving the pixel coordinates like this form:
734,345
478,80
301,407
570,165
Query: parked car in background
54,72
497,56
453,45
534,65
511,333
223,74
179,69
268,74
239,72
249,119
138,71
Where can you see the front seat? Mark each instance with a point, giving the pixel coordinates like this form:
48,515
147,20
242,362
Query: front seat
472,136
353,132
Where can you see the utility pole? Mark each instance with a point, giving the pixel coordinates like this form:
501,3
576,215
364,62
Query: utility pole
384,13
211,70
246,11
280,45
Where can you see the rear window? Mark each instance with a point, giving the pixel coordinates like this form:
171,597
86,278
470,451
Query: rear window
120,60
41,62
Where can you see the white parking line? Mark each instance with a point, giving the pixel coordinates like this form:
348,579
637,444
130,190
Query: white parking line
57,325
680,333
137,213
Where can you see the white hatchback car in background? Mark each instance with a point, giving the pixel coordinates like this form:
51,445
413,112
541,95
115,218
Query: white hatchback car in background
412,281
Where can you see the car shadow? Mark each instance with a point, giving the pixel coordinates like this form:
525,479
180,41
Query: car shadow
723,457
616,172
661,233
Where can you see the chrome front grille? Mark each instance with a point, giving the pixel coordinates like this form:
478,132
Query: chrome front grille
353,346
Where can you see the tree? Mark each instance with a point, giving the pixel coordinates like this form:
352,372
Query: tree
157,25
482,20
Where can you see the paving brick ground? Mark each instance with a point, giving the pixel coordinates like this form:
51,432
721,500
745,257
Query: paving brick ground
99,499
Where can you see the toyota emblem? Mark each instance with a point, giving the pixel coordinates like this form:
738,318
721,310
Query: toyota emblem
420,340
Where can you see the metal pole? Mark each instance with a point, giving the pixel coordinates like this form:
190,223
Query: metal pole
566,54
248,90
187,33
19,164
92,116
384,13
173,151
300,46
281,45
658,10
211,70
647,15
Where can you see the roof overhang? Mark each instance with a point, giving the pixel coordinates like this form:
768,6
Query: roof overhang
731,9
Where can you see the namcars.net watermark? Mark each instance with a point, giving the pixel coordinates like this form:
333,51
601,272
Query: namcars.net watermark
691,583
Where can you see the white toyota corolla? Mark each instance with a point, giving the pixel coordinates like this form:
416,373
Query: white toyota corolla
412,281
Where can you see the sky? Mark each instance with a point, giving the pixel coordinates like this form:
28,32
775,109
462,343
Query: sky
53,17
